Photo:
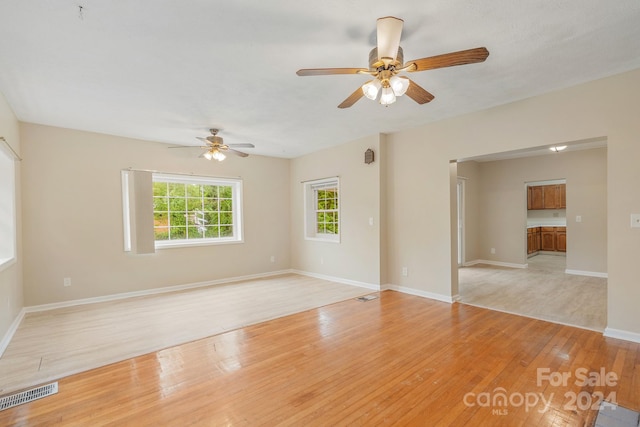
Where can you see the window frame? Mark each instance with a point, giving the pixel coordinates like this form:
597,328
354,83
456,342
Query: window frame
311,210
236,209
8,202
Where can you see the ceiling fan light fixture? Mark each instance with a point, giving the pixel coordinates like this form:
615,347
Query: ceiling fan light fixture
208,155
218,155
557,148
371,89
387,97
399,85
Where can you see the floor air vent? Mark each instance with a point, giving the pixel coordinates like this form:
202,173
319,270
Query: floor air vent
366,298
27,396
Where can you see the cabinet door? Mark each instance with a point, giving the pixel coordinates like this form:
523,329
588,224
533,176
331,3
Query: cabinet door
561,239
537,243
529,242
549,197
536,197
548,239
562,189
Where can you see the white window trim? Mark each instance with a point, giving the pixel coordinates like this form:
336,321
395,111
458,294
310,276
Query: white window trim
310,225
238,219
8,255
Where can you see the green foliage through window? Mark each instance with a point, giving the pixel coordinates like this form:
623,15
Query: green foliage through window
192,211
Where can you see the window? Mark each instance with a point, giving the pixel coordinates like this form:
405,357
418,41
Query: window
322,213
196,210
7,207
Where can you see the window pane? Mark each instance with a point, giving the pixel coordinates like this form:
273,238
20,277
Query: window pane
177,204
226,218
226,192
226,231
210,205
160,204
160,219
176,190
225,205
196,232
211,218
194,190
159,188
210,191
194,204
177,219
178,233
212,232
162,233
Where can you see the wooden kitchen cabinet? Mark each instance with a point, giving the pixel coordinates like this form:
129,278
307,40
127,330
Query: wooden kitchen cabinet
552,196
533,240
547,238
535,198
553,239
561,239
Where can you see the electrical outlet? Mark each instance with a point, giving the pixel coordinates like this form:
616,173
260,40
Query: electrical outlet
273,258
321,260
493,250
405,271
635,220
67,281
578,218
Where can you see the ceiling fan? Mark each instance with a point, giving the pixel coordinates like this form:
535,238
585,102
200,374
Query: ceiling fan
216,147
386,62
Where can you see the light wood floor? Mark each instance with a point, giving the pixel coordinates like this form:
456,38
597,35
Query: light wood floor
396,360
542,291
55,343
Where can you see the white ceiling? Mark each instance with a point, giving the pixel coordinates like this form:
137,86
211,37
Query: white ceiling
167,70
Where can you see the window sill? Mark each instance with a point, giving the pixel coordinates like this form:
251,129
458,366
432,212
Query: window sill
188,244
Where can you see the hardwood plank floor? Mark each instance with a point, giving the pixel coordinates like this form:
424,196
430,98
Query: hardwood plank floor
397,360
56,343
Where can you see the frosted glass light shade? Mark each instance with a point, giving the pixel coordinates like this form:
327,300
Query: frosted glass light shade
371,88
399,85
208,155
218,155
387,97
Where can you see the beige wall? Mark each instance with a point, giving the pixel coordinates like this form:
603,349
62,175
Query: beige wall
357,256
72,216
11,301
470,173
419,219
501,206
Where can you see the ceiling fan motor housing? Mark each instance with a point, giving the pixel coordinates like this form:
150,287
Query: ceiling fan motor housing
375,63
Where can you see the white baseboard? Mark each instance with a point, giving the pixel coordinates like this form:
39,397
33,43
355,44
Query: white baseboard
419,293
496,263
587,273
12,330
338,280
154,291
622,335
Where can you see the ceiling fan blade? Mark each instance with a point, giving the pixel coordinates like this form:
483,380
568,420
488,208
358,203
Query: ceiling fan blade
329,71
236,152
418,94
389,33
352,99
190,146
462,57
242,145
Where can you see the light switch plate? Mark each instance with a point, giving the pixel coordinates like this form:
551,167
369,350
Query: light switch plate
635,220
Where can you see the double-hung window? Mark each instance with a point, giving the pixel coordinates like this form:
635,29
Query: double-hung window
322,209
190,210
